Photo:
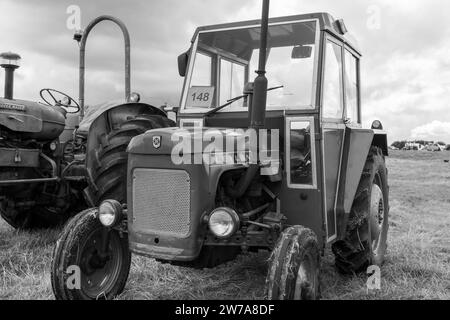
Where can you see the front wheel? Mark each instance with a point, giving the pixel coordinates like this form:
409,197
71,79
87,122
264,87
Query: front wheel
99,256
294,266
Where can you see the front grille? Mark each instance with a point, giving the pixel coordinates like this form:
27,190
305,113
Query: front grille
161,201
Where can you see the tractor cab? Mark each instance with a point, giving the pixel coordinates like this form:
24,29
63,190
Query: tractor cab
313,96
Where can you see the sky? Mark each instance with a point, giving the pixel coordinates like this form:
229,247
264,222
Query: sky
405,46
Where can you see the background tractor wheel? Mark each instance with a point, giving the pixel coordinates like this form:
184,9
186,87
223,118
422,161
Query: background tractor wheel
35,219
81,245
294,266
367,229
39,217
109,175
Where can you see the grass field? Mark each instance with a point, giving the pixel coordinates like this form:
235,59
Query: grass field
417,266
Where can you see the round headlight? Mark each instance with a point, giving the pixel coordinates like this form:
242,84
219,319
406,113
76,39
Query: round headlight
223,222
110,213
53,146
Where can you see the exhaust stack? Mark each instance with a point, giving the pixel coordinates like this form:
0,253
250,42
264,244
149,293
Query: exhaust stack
10,62
258,110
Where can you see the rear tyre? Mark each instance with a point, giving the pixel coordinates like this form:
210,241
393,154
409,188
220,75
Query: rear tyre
103,274
109,175
366,237
294,266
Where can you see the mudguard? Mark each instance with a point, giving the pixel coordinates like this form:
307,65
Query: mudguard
380,141
357,144
94,112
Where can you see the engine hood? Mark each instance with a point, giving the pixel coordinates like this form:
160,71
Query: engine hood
39,120
163,141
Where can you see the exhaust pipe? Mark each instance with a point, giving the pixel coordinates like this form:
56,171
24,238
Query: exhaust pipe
257,112
10,62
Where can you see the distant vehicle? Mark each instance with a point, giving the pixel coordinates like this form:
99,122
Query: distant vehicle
413,146
435,147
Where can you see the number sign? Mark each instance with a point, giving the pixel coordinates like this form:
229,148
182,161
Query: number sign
200,97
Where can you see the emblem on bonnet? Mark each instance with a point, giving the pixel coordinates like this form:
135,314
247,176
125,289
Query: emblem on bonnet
156,142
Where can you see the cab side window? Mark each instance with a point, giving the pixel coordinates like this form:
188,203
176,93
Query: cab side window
332,107
351,87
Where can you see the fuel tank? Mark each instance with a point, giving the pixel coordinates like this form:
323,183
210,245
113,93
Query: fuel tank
33,120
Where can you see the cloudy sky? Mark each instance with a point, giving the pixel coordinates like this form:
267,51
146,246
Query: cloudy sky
406,47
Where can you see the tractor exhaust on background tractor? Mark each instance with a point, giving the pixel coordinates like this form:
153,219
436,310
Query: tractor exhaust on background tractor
10,62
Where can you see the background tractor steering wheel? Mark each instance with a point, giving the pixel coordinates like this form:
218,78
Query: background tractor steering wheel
66,102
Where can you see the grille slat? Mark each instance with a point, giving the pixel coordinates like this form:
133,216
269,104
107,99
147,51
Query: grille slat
161,201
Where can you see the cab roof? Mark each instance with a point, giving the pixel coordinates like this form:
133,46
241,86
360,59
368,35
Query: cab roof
326,23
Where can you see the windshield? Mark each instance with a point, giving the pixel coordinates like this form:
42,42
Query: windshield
224,61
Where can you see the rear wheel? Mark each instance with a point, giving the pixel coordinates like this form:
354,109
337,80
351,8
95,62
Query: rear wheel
367,229
109,174
294,266
103,268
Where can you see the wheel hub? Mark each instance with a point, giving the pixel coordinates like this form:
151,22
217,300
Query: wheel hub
98,270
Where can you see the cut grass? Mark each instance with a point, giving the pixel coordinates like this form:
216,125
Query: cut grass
417,264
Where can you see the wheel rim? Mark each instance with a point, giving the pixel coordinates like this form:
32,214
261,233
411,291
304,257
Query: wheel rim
306,282
377,212
99,275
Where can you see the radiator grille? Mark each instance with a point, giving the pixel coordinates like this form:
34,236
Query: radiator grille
161,201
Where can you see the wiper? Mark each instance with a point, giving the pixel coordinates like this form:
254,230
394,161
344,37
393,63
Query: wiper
233,100
229,102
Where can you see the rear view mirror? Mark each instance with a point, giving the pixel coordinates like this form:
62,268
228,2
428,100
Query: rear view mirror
182,63
301,52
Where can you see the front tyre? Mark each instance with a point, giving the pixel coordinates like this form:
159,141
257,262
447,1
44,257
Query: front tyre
294,266
103,268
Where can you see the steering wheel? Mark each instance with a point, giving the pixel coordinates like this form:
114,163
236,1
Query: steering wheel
66,102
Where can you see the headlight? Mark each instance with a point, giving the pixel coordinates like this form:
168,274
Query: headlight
53,146
110,213
223,222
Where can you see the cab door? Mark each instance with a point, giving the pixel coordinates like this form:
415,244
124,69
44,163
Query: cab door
333,128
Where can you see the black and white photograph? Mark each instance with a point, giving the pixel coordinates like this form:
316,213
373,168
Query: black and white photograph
225,155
